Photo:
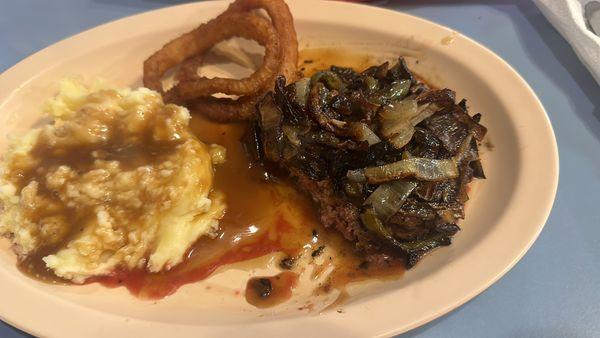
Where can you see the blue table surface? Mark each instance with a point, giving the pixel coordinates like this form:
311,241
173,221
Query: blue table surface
553,290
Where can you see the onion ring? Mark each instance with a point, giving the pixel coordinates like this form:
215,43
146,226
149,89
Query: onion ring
225,109
278,36
245,25
188,69
200,40
169,56
283,22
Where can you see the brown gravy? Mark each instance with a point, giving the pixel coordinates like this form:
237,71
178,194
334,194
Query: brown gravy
261,218
315,59
264,292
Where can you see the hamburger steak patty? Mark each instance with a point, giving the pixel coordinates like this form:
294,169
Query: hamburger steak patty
385,158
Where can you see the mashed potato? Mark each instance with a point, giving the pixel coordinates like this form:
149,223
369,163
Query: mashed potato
116,181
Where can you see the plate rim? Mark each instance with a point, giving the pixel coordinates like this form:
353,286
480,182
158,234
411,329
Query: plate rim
542,215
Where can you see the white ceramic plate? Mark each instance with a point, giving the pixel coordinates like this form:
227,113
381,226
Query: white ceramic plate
505,215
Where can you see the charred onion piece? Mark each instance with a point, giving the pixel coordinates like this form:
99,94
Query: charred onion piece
330,79
395,91
373,224
397,121
360,131
425,169
301,91
387,199
270,120
414,250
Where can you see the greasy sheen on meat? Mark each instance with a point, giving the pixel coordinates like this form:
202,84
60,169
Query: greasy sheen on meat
385,158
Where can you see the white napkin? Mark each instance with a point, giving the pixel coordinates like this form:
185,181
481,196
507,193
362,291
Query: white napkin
567,16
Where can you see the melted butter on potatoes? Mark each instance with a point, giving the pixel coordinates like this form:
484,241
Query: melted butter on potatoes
116,181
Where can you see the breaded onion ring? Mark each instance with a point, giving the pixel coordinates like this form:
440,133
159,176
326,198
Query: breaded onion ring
225,109
281,57
283,22
199,41
188,69
245,25
170,55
